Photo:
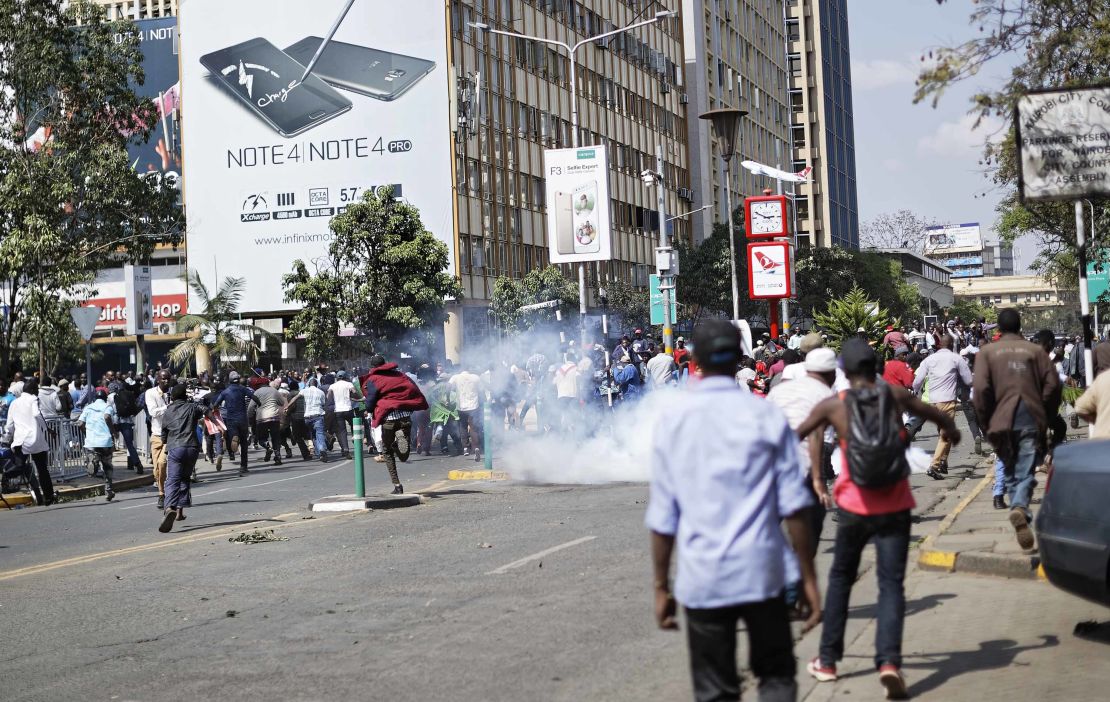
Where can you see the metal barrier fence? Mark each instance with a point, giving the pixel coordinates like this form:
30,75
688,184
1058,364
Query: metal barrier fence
66,456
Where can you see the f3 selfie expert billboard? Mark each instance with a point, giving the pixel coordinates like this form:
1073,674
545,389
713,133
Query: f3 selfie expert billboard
272,154
577,190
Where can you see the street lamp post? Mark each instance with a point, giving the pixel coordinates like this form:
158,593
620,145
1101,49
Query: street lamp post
571,51
726,123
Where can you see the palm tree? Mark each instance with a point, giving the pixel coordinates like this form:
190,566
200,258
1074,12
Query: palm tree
216,327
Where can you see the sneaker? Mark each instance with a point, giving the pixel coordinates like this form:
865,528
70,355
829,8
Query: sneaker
398,489
379,458
402,444
466,452
167,521
892,681
979,445
999,502
820,671
943,468
269,455
109,496
477,456
219,463
161,502
324,458
244,471
932,473
1024,534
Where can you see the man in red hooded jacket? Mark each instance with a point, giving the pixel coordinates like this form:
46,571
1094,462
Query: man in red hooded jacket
391,398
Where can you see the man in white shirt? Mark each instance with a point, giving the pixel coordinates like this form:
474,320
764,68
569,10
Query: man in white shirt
468,385
342,394
944,370
156,400
566,390
314,417
660,370
27,429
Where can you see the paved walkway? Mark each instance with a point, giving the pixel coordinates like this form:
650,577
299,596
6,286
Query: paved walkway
977,538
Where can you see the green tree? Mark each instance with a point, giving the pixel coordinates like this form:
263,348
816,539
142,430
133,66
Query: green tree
539,285
969,309
824,274
55,337
67,188
844,316
704,287
1056,43
216,332
630,302
385,275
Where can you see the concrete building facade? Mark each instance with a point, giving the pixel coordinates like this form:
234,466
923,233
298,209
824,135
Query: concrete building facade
735,57
822,129
1042,304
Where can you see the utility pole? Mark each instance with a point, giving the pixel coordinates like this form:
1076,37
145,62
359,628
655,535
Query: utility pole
665,254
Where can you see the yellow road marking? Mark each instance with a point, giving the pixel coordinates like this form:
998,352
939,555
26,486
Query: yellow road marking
945,560
89,558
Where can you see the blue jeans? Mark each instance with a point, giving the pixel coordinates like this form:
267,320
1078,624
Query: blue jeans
891,536
1021,471
127,431
315,425
182,460
999,478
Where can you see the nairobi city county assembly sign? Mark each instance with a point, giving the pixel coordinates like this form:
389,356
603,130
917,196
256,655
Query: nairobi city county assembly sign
1064,143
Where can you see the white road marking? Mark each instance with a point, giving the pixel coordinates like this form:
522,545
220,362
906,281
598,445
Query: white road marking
536,556
252,485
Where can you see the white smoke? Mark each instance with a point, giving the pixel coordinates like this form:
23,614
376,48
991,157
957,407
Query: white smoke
608,448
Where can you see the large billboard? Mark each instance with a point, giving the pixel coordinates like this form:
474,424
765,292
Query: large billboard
1064,142
161,153
577,183
272,153
953,237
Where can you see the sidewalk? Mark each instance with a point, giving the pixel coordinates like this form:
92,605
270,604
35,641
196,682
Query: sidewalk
977,538
85,486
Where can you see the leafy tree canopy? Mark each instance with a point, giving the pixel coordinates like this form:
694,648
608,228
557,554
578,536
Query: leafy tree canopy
385,275
539,285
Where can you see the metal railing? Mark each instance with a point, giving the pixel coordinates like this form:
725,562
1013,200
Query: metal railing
66,458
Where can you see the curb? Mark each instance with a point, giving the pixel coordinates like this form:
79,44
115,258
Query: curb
83,492
977,562
477,475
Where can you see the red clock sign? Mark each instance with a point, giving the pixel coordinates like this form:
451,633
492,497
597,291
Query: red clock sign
770,270
765,216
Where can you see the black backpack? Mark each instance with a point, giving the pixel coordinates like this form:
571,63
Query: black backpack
126,403
877,439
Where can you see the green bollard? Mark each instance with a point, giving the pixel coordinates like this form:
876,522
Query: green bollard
487,443
356,451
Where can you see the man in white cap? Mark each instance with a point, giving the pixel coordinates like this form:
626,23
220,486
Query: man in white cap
797,398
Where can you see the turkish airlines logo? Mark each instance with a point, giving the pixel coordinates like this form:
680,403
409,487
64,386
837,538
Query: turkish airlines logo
766,264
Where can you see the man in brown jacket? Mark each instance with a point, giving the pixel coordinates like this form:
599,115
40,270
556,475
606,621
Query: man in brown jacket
1016,389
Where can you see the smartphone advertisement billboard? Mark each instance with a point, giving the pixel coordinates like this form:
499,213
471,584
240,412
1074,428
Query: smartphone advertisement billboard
577,183
272,153
161,153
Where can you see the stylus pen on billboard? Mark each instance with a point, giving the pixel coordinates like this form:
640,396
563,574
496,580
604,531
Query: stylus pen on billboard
324,43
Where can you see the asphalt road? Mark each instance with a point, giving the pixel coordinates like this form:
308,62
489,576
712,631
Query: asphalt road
488,591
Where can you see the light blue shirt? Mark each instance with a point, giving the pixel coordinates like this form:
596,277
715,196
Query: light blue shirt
97,433
724,473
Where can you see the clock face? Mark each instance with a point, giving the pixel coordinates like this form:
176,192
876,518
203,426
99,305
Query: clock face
767,217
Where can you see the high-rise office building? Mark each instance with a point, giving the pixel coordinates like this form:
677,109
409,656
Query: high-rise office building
735,57
513,100
822,131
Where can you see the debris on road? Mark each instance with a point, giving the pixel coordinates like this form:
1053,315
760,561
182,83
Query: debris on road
258,536
485,545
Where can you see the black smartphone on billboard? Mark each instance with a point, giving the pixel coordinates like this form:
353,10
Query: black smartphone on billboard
268,81
360,69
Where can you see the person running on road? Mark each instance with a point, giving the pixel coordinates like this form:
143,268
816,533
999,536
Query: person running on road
314,417
342,393
870,508
944,370
97,419
27,429
1015,392
391,398
268,419
471,394
660,370
179,436
232,403
156,399
724,475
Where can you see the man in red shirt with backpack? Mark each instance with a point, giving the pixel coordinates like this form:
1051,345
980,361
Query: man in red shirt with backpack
874,499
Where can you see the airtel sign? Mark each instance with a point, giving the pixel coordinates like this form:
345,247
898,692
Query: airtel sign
113,310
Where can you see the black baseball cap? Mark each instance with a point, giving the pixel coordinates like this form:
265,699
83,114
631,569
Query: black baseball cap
858,357
717,343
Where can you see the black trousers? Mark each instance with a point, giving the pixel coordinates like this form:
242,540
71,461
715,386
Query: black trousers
390,429
42,474
711,636
240,432
269,433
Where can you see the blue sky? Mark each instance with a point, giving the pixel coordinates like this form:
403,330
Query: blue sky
909,156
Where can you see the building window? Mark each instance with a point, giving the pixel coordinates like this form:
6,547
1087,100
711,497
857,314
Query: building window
998,299
985,300
1013,297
